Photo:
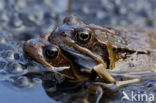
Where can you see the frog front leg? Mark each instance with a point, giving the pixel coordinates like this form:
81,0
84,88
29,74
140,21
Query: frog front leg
99,69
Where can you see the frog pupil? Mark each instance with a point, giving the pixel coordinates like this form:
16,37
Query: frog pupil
51,52
84,35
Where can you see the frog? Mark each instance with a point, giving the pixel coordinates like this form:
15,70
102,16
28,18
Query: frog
88,48
48,54
98,48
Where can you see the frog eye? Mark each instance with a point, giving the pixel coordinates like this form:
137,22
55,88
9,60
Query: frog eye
83,37
51,52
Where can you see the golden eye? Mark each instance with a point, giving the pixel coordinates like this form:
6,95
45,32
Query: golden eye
51,52
83,37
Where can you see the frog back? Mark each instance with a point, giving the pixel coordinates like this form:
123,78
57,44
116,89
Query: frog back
126,38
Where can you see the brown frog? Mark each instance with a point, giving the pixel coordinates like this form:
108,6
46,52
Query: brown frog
87,48
42,51
88,45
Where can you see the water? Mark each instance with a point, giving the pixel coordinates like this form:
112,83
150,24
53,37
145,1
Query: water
35,94
22,20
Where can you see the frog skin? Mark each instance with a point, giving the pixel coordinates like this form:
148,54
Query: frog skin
89,45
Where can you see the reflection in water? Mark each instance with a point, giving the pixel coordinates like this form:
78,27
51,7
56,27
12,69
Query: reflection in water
68,91
92,92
